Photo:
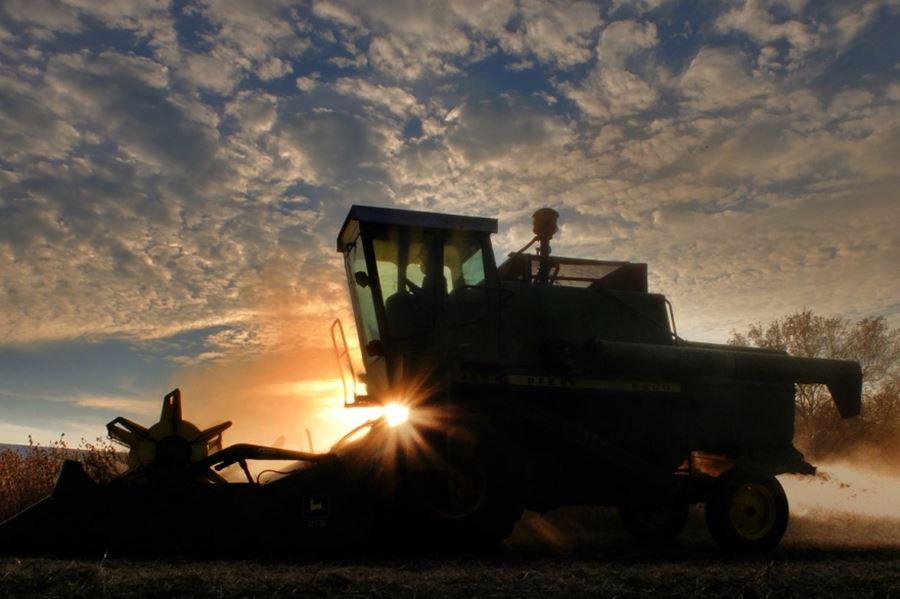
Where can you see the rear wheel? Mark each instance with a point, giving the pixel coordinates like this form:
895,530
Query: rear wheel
747,511
654,523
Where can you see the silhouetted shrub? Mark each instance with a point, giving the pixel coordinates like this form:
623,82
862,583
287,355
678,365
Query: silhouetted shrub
28,476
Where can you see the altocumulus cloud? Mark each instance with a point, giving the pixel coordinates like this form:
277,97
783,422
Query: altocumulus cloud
168,168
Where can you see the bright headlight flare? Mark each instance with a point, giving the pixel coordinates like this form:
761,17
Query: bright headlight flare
395,413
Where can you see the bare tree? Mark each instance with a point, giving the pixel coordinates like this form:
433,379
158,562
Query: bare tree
870,341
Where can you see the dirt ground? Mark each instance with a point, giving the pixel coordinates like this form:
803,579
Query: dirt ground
570,553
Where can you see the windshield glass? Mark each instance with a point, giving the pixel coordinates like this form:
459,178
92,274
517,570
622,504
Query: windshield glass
463,261
404,259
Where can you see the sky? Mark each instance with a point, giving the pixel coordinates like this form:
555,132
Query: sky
173,176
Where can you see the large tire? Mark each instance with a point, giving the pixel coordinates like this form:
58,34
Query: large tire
654,524
478,510
747,511
467,505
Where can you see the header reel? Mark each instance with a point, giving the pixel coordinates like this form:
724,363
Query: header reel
176,452
170,448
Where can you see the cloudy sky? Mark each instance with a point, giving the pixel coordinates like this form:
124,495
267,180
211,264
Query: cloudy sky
173,175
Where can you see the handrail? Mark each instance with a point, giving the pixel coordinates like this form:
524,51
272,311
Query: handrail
671,315
341,354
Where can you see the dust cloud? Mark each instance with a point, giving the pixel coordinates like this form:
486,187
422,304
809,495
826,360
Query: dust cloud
847,504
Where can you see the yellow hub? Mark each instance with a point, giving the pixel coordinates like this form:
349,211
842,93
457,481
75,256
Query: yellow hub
753,511
172,442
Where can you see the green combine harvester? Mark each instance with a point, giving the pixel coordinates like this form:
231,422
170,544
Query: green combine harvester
535,384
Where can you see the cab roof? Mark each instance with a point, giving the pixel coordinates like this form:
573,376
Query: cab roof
409,218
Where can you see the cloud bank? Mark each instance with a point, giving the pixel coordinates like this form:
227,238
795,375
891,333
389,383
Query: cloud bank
168,168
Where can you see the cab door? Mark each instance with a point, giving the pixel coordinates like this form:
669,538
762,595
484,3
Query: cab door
367,314
471,297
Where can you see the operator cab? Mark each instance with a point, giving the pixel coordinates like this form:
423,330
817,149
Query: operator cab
410,274
429,299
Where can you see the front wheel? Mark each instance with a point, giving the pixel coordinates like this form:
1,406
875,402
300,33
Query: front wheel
747,511
475,509
467,504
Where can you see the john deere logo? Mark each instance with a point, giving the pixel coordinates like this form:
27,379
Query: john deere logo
315,506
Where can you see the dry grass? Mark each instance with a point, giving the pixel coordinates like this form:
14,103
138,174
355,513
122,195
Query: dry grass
27,477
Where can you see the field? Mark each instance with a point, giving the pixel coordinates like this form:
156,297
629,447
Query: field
569,553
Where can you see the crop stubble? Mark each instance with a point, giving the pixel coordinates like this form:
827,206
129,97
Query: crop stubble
551,557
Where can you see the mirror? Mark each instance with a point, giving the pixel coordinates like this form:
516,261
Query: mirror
361,278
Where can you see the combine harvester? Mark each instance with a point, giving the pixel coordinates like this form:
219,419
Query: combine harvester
536,384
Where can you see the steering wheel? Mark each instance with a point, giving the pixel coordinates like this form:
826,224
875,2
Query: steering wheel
414,289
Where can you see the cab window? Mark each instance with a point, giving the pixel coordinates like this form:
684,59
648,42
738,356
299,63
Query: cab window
463,261
404,260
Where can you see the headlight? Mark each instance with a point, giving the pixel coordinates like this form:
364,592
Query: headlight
395,413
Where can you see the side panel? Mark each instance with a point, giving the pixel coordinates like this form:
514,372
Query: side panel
570,445
577,446
738,416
